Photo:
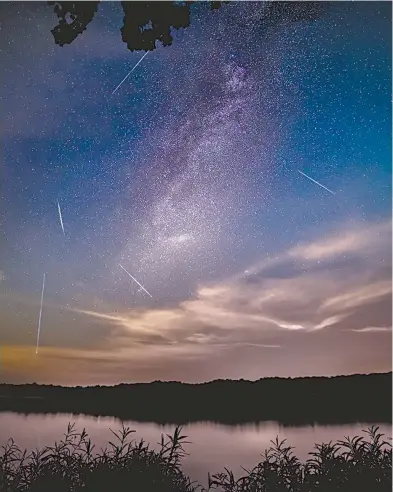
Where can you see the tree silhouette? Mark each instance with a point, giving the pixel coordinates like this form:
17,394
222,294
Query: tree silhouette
145,23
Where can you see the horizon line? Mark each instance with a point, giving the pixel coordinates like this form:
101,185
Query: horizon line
201,383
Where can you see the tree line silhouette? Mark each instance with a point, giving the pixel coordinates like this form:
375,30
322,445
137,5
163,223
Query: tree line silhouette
298,401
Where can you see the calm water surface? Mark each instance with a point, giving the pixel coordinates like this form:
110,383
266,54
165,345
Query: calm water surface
214,446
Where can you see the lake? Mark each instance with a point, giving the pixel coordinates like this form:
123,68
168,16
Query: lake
213,446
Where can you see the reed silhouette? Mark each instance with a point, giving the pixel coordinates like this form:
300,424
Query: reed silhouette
299,401
356,464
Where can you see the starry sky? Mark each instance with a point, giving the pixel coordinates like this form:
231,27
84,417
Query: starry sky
188,177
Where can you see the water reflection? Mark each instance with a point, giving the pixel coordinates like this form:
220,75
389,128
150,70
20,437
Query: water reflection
213,446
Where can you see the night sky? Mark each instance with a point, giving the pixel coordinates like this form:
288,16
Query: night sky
188,176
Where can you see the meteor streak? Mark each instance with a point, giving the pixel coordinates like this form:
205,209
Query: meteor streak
135,280
316,182
61,218
39,319
130,72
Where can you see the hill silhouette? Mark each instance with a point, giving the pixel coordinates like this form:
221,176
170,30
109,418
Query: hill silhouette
298,401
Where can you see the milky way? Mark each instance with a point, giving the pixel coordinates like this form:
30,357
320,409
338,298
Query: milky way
187,175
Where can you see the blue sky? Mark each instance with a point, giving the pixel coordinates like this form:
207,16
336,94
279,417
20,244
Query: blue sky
188,177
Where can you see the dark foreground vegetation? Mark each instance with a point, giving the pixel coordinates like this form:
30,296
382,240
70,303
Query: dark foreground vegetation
358,464
146,24
298,401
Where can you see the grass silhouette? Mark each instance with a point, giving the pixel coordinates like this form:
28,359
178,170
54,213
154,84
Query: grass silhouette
358,464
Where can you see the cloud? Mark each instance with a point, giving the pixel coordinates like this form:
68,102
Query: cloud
344,242
359,296
329,322
254,305
372,329
307,320
330,247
